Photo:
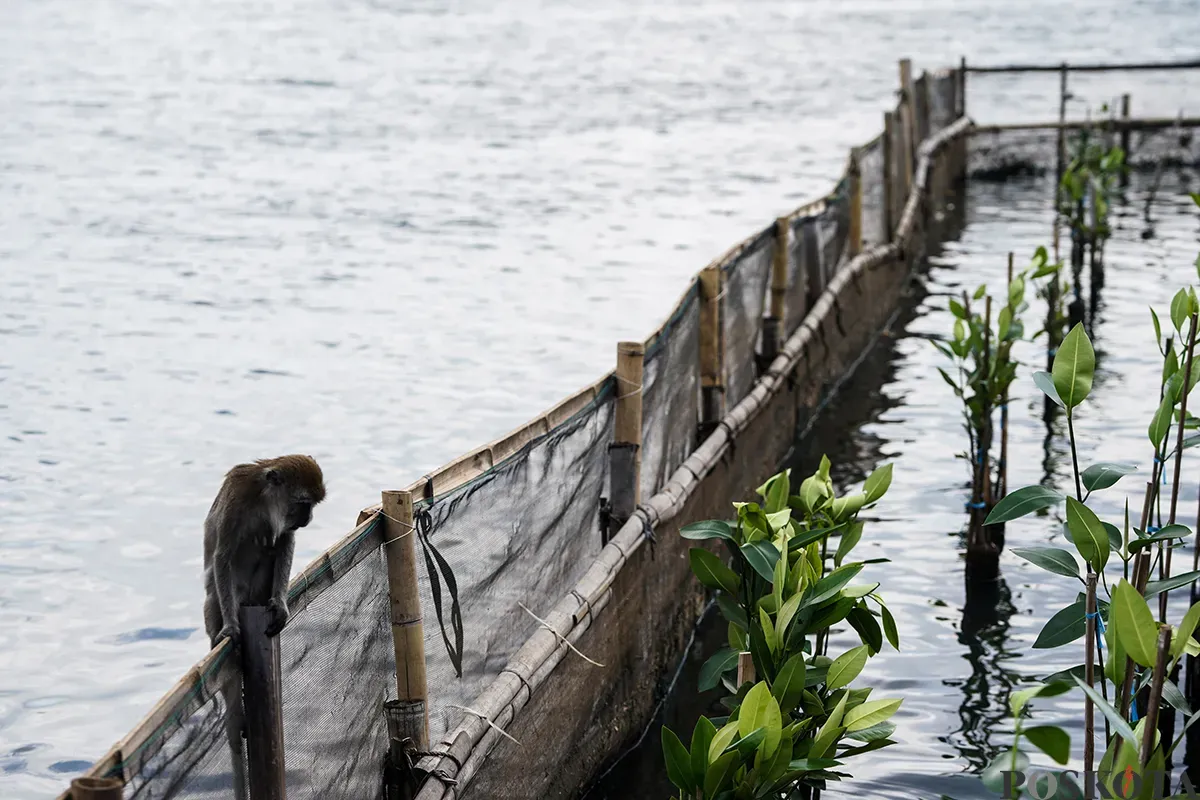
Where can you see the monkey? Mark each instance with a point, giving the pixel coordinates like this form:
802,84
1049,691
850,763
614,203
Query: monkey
249,540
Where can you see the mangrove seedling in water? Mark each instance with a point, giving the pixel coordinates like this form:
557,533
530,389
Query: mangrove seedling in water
799,717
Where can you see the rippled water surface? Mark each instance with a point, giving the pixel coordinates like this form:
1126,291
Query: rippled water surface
386,232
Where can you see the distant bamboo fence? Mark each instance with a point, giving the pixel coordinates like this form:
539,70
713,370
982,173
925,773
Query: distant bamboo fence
562,535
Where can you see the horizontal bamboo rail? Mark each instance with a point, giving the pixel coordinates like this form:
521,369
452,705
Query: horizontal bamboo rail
1116,124
1136,66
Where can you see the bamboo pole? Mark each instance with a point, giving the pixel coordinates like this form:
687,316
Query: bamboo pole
773,325
962,86
1125,131
262,691
712,367
1135,66
854,246
889,188
1089,672
745,669
985,435
1156,684
908,121
408,627
96,789
625,451
1003,477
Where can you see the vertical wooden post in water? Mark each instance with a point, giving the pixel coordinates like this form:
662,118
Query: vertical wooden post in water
408,715
854,245
745,669
962,87
1125,136
624,454
889,188
96,789
908,123
773,325
712,367
263,698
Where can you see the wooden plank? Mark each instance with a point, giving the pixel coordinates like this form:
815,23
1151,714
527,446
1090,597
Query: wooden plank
1134,66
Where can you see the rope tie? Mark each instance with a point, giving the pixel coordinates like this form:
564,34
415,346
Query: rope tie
436,564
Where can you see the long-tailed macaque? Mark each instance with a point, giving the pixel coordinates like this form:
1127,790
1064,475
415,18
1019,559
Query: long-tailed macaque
249,538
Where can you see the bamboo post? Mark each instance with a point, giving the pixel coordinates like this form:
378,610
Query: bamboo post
1002,488
745,669
774,322
96,789
889,189
408,714
985,435
962,87
1125,128
854,245
624,454
1156,684
908,122
712,367
263,696
922,106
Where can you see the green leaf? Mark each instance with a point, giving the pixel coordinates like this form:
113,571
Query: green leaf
1074,365
760,710
1019,699
956,308
1157,326
789,683
1154,588
778,520
846,667
1045,382
1051,740
861,619
1066,626
806,537
878,483
1168,532
1105,474
784,618
708,529
1052,559
720,773
1171,693
722,740
775,492
1181,308
870,713
1186,628
717,665
1135,624
1023,501
889,626
1119,725
732,611
849,539
774,642
746,745
980,291
1161,422
1114,536
702,736
832,583
761,555
874,733
679,762
711,572
1089,535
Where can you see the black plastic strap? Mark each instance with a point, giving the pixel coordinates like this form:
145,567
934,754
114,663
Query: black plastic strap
423,522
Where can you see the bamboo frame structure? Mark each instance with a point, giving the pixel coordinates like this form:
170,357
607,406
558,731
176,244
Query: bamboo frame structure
408,627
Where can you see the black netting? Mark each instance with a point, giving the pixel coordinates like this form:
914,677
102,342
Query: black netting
523,533
337,660
833,226
798,276
671,395
746,280
870,170
1002,153
942,94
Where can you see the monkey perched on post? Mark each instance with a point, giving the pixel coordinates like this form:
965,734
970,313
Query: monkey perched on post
249,538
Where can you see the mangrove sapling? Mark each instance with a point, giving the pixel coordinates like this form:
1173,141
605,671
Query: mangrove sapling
1122,626
782,595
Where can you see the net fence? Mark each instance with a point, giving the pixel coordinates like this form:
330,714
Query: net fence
1004,152
519,534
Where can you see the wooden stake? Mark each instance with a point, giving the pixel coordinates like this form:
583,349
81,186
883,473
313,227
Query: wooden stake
1125,130
908,122
1002,481
96,789
773,325
1156,684
1089,675
262,691
922,107
745,670
624,454
889,188
985,435
854,245
408,627
962,87
712,367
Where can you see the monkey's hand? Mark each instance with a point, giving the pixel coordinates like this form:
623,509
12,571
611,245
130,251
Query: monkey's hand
232,632
277,615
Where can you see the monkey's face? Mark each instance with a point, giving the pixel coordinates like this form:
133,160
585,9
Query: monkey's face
299,513
293,487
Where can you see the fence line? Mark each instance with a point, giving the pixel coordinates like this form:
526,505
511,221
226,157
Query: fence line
1136,66
819,231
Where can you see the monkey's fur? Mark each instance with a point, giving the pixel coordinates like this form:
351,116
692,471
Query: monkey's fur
249,538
